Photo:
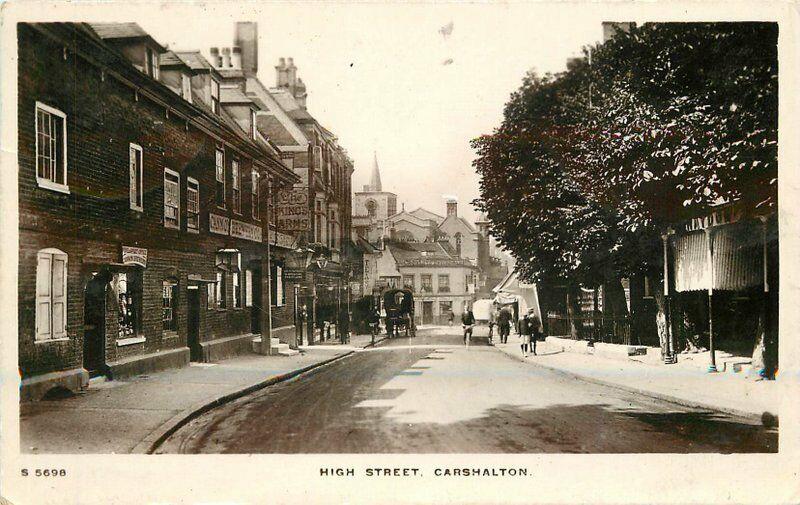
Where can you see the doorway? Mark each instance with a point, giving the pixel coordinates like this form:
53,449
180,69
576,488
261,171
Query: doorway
193,323
94,326
427,312
255,310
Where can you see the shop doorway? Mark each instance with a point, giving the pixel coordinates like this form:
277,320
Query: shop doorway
94,326
193,323
427,312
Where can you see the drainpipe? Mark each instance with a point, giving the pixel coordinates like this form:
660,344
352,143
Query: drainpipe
266,329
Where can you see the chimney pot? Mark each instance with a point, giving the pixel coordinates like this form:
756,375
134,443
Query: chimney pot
236,57
226,57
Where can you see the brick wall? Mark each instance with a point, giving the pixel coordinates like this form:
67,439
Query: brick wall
92,222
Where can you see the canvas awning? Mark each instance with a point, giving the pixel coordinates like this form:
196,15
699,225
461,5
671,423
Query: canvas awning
736,258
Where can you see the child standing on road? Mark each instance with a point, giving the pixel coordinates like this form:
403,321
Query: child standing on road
523,330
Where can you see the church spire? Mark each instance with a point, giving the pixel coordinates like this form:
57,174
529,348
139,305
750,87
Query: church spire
375,181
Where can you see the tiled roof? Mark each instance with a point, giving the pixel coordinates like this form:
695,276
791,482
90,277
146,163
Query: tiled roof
118,30
170,59
270,127
194,59
111,31
233,95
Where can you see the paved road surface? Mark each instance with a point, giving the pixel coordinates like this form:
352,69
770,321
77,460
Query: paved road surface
430,395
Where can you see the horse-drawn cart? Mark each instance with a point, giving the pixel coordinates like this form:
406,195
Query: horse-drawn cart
399,307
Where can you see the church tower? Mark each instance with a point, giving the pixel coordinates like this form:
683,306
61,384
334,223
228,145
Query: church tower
373,206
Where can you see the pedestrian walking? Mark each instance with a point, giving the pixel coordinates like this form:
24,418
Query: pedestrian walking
450,318
467,323
504,324
524,332
535,327
492,322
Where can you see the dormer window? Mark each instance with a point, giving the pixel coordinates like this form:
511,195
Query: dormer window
186,88
215,96
151,63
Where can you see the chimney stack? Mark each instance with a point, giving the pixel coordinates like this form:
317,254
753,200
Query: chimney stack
281,78
291,72
452,208
246,39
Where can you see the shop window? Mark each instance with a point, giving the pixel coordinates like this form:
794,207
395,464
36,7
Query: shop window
444,283
192,204
426,283
127,291
136,176
237,187
237,290
51,148
220,291
445,308
172,184
277,287
51,295
169,300
220,177
248,288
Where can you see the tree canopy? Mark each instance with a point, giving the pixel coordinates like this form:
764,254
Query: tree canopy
659,124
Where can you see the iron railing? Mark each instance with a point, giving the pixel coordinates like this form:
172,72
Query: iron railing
595,327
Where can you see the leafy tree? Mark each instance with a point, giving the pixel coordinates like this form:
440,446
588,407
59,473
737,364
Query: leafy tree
660,124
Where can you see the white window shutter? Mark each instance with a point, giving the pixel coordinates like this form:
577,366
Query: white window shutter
132,169
59,298
44,296
279,281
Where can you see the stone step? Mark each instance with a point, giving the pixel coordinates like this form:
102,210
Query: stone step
288,352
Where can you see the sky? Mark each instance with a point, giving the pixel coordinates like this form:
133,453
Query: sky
394,80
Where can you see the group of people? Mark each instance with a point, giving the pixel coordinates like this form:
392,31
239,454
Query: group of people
529,327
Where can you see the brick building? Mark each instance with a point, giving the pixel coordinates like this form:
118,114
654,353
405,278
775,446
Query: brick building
142,201
315,211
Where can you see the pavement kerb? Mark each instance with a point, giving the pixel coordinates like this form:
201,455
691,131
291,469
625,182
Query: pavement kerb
157,437
651,394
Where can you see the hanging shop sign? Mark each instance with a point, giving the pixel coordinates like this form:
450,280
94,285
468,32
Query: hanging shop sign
246,231
134,256
291,210
218,224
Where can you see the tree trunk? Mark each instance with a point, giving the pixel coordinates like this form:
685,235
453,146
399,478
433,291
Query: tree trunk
574,313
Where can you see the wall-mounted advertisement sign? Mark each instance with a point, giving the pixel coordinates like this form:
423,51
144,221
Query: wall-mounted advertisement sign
291,210
246,231
218,224
134,256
